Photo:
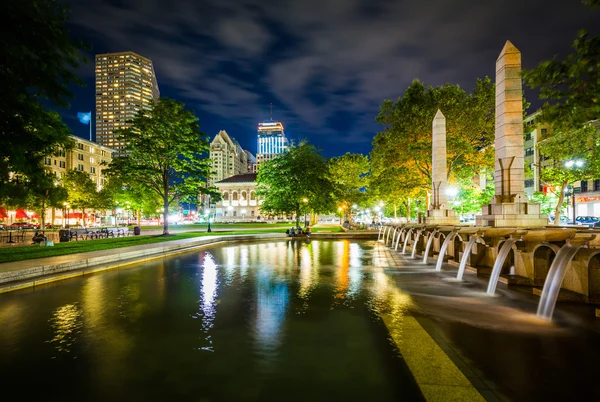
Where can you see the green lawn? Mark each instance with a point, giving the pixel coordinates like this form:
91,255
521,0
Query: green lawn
20,253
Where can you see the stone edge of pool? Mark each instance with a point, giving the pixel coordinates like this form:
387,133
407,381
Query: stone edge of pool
31,273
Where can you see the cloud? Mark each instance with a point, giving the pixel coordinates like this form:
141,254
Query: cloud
326,64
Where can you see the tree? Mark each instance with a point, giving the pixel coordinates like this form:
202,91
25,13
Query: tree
38,61
164,154
571,88
403,150
349,174
139,199
287,181
81,190
45,193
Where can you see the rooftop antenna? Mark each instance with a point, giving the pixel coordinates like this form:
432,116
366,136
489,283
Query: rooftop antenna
271,111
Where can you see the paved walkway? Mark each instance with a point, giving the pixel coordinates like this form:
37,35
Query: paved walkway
436,374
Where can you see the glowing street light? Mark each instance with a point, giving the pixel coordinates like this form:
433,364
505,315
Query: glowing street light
452,191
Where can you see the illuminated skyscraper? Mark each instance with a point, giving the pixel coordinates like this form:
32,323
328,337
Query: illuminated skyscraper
271,141
125,83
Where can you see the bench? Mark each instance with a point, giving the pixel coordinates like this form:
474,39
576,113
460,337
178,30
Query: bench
124,231
78,234
110,232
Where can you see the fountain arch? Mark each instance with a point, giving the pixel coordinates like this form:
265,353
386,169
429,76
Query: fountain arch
593,268
457,246
510,258
543,256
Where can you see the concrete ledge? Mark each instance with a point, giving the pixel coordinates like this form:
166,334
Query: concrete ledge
28,273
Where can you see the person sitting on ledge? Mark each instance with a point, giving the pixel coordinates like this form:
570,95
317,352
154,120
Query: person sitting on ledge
293,232
38,238
307,231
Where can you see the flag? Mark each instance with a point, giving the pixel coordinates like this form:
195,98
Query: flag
84,118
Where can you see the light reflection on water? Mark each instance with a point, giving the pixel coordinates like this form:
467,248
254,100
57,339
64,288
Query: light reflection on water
291,316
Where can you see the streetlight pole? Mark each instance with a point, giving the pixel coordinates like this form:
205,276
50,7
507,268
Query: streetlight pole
209,229
570,164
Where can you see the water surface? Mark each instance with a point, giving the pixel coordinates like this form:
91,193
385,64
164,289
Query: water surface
284,321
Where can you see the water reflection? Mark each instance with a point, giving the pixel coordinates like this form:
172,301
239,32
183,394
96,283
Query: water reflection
66,326
272,298
262,310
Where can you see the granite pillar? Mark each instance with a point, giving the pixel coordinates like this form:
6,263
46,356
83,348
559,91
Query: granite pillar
438,212
509,206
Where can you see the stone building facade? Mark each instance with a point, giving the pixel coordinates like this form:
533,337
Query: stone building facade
227,156
85,156
239,201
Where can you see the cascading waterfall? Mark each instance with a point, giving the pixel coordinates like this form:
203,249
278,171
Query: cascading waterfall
379,234
406,241
415,243
463,261
555,278
440,260
506,247
429,243
388,235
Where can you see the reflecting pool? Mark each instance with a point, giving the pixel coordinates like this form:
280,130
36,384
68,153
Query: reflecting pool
277,321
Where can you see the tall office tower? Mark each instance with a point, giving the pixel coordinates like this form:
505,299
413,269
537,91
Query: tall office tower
251,162
227,156
271,141
125,83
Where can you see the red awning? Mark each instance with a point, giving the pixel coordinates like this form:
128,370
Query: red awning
21,214
35,216
3,213
77,215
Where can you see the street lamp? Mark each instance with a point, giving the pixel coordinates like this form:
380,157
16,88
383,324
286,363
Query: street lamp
208,213
569,165
340,211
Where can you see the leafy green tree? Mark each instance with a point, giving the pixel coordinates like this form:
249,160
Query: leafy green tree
45,193
164,154
38,61
571,88
471,198
350,176
300,174
548,202
138,198
82,191
401,156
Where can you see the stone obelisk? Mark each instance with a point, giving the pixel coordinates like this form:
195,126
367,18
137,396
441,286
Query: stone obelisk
438,212
509,206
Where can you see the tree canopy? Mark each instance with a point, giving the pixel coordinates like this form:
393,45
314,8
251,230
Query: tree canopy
165,153
401,155
571,88
350,176
295,182
37,64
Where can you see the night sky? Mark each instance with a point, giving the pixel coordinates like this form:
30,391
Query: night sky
326,65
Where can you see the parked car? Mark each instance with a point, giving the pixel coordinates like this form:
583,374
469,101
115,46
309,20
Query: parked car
563,220
590,221
25,225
